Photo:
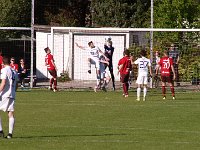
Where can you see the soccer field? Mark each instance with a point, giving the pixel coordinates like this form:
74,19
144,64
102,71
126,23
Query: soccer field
86,120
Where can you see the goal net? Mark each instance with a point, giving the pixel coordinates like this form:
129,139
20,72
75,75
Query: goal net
72,62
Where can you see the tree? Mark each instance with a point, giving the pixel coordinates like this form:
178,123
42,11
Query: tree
61,12
120,13
15,13
176,14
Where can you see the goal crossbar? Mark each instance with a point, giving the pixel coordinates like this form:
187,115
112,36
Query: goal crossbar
125,29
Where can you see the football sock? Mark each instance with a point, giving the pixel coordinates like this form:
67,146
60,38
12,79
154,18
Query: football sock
11,124
163,90
98,82
89,65
0,125
172,90
124,88
51,82
55,83
138,92
127,85
145,91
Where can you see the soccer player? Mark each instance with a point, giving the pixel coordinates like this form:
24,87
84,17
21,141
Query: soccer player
51,67
104,76
124,67
9,80
13,64
109,50
93,58
1,60
144,67
166,65
174,54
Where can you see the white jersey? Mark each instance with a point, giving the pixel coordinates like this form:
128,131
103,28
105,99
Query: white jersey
11,78
143,64
94,53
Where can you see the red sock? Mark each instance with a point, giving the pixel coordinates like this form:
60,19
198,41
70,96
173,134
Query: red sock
124,88
163,90
127,85
172,90
51,82
55,83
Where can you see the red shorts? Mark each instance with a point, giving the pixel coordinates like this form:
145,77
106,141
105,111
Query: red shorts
166,79
53,73
124,78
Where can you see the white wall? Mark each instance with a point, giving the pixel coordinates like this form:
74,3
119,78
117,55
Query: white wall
60,52
63,50
80,61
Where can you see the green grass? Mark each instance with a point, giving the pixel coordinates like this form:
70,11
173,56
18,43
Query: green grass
103,121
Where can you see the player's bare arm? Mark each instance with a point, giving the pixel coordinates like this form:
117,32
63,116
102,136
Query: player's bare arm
3,83
79,46
174,75
150,70
178,60
52,61
107,59
157,69
119,68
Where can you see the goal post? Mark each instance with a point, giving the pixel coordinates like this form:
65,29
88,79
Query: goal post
73,60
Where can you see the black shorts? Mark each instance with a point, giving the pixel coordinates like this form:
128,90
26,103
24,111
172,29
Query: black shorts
166,79
124,78
53,73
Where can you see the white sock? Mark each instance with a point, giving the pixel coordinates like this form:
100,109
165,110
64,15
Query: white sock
89,65
1,129
98,82
145,91
11,124
138,92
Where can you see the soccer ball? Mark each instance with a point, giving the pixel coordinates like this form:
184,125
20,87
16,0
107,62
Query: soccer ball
108,38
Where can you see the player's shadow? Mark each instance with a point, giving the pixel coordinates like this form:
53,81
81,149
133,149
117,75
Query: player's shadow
83,135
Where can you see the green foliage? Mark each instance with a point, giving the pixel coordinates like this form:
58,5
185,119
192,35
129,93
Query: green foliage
14,13
175,14
64,77
120,13
61,13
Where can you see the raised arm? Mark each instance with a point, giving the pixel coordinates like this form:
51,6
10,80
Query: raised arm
81,47
104,55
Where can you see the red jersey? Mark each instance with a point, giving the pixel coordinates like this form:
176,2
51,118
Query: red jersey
165,65
48,60
14,66
1,62
126,62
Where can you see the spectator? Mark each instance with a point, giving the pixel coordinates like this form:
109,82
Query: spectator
13,64
22,72
174,54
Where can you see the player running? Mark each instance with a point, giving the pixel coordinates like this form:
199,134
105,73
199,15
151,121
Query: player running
144,67
166,65
51,67
124,67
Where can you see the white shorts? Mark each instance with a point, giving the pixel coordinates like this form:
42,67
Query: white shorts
7,104
95,62
142,80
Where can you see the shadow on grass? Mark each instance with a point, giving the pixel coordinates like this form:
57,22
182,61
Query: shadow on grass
84,135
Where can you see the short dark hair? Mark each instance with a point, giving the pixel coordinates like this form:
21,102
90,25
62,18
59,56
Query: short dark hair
166,52
126,52
89,43
46,49
143,52
6,60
